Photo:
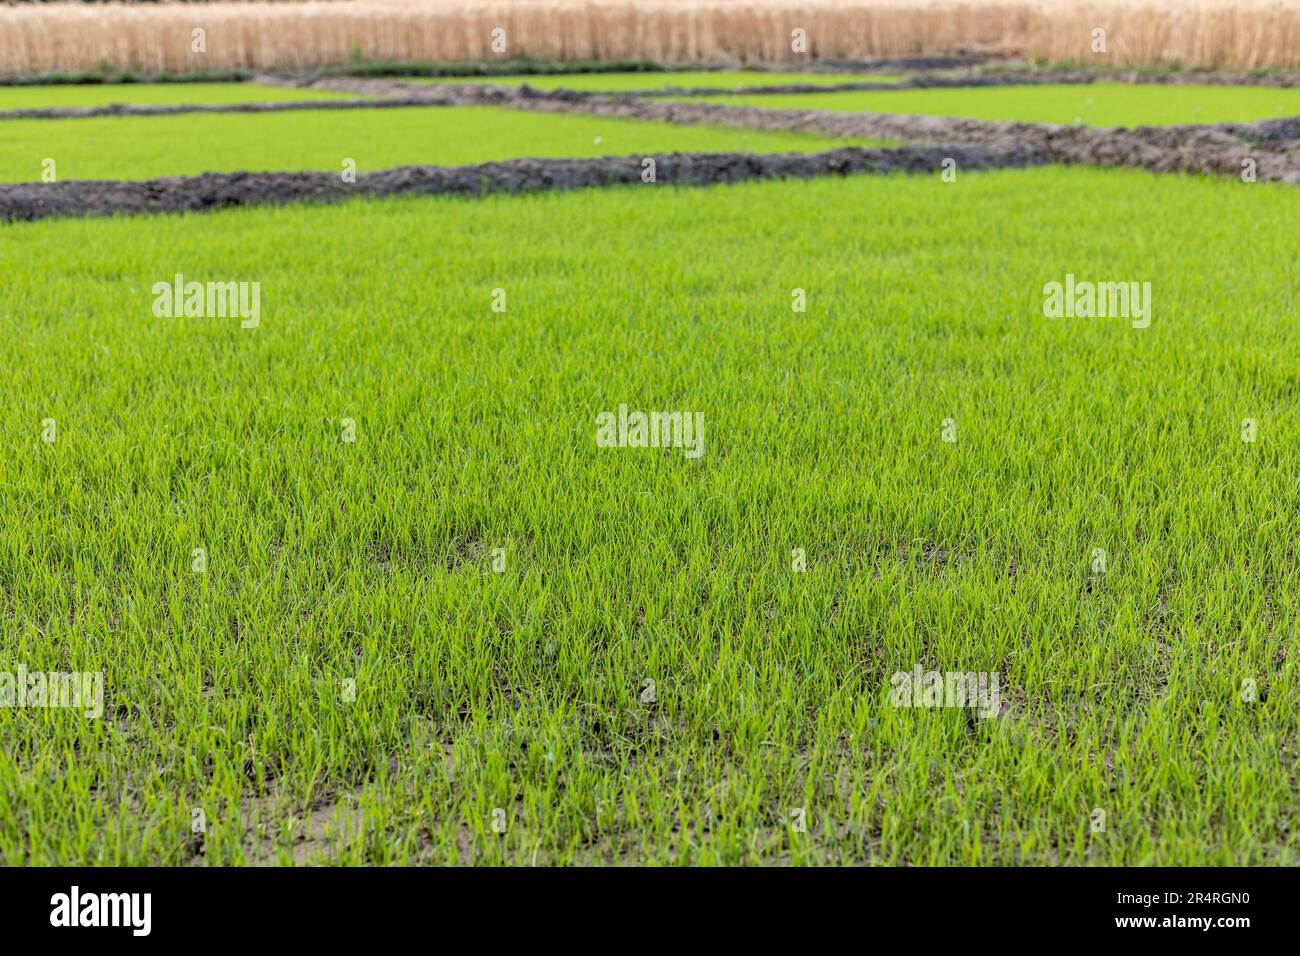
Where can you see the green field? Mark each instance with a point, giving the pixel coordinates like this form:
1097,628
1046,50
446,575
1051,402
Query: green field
149,146
1096,104
527,690
615,82
46,97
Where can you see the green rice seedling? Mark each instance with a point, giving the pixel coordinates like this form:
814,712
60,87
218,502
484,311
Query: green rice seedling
388,576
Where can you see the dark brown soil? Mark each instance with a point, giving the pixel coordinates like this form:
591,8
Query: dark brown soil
1220,148
28,201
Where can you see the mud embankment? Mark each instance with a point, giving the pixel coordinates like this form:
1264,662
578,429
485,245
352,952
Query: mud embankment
30,201
1274,145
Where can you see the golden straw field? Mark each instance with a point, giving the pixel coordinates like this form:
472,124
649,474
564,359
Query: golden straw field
156,38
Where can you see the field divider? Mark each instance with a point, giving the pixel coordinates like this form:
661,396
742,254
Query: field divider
212,191
1215,148
1273,145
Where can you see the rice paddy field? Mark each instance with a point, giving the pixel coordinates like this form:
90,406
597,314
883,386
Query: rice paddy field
142,147
370,578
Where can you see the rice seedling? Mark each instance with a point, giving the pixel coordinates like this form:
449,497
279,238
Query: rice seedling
364,584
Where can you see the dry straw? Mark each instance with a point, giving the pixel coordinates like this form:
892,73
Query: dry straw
1229,34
